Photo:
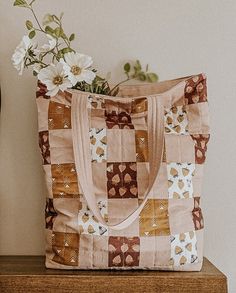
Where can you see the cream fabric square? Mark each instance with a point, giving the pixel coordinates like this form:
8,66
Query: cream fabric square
121,145
48,179
118,210
180,215
42,105
67,210
198,117
179,148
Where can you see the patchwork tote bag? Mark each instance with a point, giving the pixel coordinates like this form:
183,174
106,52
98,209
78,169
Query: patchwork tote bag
124,176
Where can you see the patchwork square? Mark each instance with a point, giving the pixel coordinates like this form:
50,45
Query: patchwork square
196,89
64,181
44,146
123,251
66,248
122,180
197,215
141,141
179,148
139,105
154,218
176,120
88,223
50,213
201,141
117,115
184,249
98,144
180,176
96,102
59,116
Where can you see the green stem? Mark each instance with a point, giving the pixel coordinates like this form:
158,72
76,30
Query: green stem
32,10
118,84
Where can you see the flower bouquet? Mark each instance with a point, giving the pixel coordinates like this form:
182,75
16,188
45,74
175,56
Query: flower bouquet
58,65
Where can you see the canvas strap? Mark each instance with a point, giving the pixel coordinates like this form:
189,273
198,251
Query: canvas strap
82,153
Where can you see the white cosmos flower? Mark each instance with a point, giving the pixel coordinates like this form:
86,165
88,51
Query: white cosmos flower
54,78
76,66
20,53
51,44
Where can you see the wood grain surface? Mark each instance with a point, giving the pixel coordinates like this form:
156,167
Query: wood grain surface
27,274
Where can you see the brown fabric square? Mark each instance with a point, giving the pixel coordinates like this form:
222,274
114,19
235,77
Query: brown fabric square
50,213
66,248
195,89
59,116
141,140
139,105
42,91
118,115
122,180
197,214
201,141
154,219
64,181
44,147
123,251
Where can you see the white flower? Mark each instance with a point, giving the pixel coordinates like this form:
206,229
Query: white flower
51,44
76,66
54,78
37,67
20,53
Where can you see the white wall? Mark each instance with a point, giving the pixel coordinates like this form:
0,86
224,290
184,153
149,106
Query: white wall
176,38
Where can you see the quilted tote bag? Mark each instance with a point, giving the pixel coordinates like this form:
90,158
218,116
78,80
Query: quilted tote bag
124,176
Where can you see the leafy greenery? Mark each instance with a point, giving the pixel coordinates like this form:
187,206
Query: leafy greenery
52,25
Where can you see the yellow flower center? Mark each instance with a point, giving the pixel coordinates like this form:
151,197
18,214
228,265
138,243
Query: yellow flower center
76,70
58,80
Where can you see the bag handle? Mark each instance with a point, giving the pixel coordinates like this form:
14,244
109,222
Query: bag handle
82,154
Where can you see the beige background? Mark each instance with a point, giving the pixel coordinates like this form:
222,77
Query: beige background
176,38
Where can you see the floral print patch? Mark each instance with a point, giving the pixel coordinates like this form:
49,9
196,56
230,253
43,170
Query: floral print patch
184,248
180,183
44,147
50,213
201,141
88,224
98,144
176,121
197,214
195,89
123,251
122,180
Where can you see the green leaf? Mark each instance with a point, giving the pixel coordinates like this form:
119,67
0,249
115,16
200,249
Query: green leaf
127,67
152,77
48,18
32,34
55,17
142,76
138,65
29,24
21,3
66,50
49,30
57,32
72,37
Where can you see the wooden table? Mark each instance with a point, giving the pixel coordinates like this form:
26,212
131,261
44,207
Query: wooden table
27,274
